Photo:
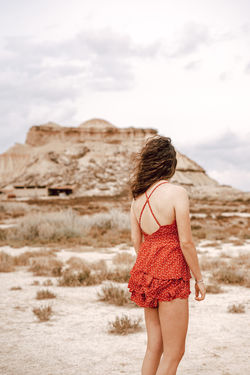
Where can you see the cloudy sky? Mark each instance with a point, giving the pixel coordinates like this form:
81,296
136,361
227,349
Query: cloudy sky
182,67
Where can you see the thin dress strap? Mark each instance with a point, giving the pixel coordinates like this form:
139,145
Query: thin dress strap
147,201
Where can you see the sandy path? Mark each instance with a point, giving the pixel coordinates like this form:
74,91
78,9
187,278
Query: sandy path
76,342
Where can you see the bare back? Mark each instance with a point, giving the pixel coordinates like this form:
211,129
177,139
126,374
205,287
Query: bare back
160,209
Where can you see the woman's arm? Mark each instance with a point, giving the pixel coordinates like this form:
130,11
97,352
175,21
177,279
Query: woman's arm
136,234
181,205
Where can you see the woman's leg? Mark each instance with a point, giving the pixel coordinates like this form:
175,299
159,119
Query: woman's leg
154,344
173,317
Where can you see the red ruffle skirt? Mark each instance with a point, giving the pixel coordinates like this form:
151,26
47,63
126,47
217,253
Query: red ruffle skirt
147,290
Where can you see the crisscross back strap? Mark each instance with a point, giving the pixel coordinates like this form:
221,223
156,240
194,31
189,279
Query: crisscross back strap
147,202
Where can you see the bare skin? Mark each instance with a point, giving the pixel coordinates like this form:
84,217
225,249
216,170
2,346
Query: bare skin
168,323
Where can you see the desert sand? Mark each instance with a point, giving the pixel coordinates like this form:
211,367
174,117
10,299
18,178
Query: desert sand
75,341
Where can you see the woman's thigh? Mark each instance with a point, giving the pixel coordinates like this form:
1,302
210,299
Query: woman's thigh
173,317
153,327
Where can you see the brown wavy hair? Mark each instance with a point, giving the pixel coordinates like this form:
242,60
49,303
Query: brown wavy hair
156,161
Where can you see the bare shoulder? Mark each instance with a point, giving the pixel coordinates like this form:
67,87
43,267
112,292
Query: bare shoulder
178,192
178,189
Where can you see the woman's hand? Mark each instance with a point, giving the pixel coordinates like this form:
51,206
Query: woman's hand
200,291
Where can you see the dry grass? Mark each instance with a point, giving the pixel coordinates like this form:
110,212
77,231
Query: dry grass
6,262
36,283
124,325
43,266
45,294
16,288
114,295
13,209
214,289
65,225
25,258
82,273
241,260
119,275
9,262
124,258
236,309
47,282
79,278
76,263
228,275
208,263
43,313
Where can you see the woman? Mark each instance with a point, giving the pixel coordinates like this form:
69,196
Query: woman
161,235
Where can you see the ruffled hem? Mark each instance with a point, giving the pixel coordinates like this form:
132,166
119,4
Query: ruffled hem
147,290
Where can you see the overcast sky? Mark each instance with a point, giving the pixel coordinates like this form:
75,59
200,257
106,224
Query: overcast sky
182,67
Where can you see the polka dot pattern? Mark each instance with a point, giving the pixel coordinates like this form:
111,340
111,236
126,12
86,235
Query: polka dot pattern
160,272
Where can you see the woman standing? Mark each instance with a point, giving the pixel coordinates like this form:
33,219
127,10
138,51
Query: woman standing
160,277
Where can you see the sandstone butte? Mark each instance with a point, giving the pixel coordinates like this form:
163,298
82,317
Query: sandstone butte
89,160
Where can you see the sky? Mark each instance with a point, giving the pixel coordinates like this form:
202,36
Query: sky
181,67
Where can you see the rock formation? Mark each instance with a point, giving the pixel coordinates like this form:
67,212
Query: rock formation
94,158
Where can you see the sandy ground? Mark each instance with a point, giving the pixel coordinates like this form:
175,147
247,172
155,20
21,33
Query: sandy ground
76,342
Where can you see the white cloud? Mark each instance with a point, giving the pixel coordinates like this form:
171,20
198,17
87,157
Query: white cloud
225,158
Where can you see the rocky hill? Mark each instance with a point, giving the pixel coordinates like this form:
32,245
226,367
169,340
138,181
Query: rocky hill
91,159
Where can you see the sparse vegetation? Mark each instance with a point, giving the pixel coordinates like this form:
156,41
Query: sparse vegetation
114,295
124,258
13,209
79,278
119,275
67,225
45,294
124,325
208,264
36,283
16,288
43,266
6,262
227,275
236,309
26,258
48,282
43,313
214,289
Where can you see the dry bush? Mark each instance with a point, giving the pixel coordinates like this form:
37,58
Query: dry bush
45,294
124,258
214,289
36,282
119,275
79,278
236,309
114,295
14,209
100,266
227,275
43,266
43,313
65,225
3,235
124,325
208,264
25,258
76,263
6,262
241,260
16,288
47,282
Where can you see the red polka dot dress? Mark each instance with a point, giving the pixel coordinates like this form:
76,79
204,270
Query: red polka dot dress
160,272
